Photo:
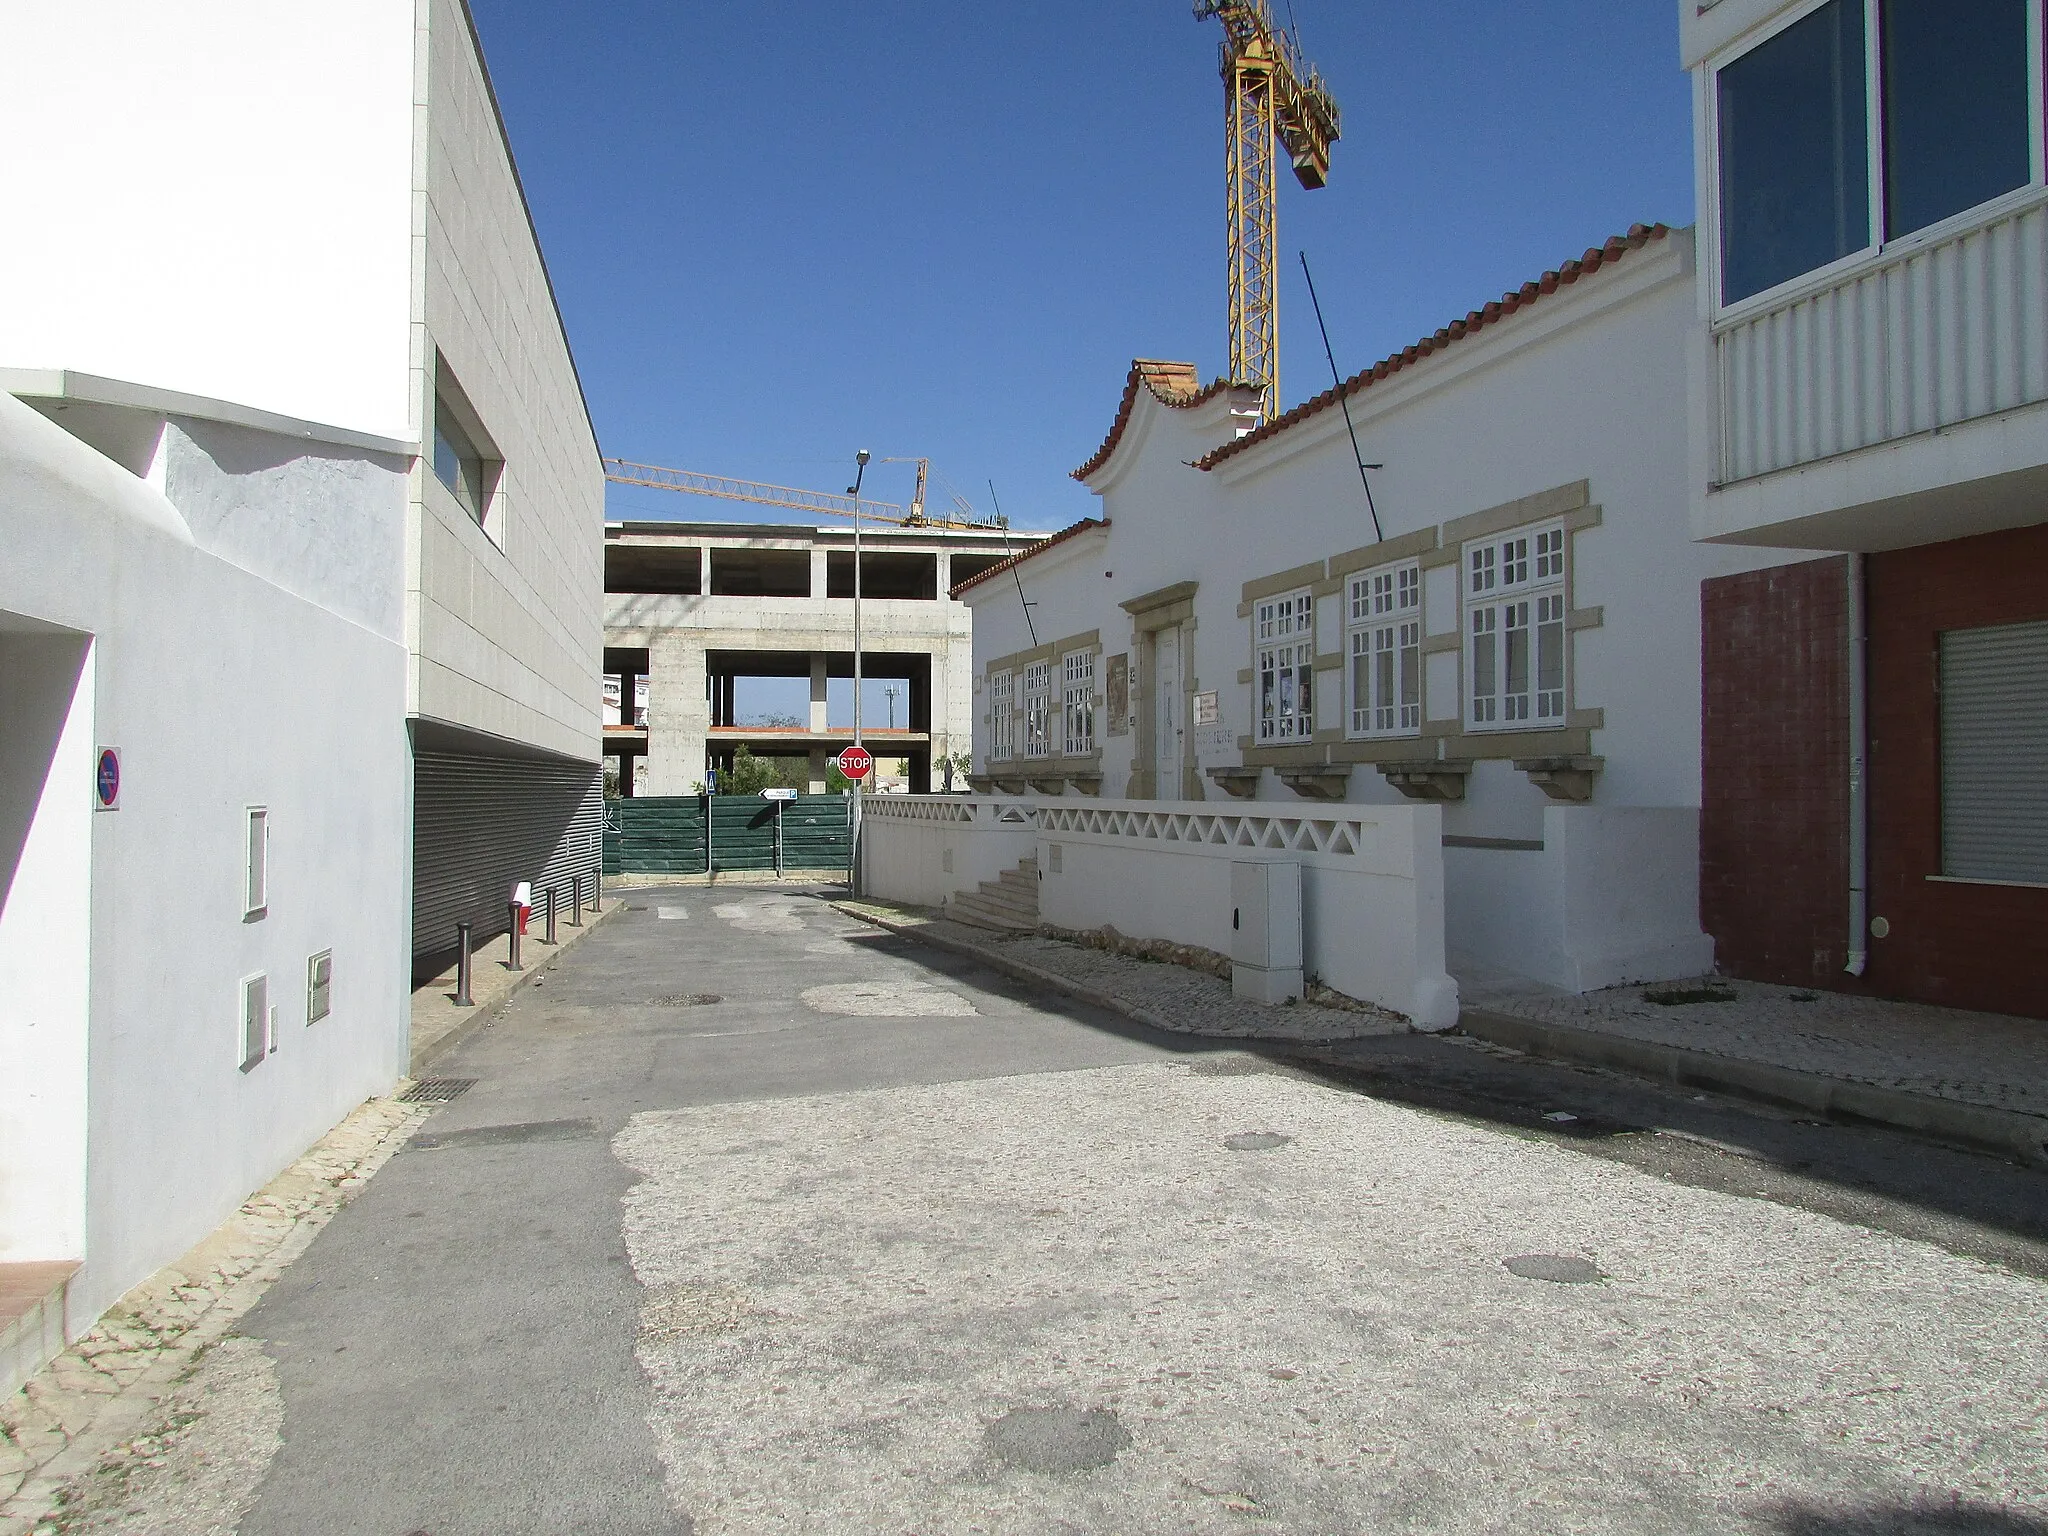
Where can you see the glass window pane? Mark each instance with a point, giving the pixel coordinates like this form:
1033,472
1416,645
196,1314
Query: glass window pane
1955,107
1795,181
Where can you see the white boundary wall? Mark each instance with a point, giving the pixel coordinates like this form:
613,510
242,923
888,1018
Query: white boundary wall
1609,898
1372,877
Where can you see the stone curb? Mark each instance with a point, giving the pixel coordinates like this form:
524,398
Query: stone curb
1023,970
423,1055
118,1416
2000,1131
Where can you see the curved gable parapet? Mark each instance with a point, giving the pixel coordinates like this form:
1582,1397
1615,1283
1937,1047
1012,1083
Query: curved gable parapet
1171,384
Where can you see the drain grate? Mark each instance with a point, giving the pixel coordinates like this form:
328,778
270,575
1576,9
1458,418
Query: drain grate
437,1090
685,1000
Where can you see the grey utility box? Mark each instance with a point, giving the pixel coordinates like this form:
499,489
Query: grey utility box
1265,931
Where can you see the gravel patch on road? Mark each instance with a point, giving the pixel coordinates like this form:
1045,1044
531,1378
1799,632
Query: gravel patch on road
1065,1302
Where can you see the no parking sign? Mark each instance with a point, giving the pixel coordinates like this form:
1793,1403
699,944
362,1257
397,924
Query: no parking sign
106,780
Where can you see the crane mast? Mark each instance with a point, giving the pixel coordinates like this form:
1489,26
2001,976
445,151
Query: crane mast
1271,101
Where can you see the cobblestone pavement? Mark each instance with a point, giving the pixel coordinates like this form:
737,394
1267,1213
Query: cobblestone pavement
1172,997
104,1410
1992,1059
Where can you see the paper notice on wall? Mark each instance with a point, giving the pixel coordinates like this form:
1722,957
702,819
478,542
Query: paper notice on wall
1215,746
1117,696
1207,711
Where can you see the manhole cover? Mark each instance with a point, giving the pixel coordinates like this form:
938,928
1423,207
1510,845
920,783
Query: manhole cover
1675,997
1559,1268
1256,1141
1058,1439
685,1000
437,1090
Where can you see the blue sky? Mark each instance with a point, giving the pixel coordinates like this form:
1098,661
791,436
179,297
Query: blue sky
785,230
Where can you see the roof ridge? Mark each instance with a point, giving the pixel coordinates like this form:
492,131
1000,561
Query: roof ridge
1040,547
1597,256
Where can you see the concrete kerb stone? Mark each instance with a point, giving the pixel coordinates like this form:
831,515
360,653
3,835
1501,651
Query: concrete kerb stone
83,1409
438,1026
1979,1127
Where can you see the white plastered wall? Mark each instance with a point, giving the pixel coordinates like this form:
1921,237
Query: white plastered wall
505,619
213,199
223,689
1587,385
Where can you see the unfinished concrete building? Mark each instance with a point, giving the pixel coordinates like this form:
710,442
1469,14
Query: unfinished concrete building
695,607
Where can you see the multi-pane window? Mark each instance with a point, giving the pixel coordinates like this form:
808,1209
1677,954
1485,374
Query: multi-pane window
1796,122
1515,630
1078,696
1037,709
1285,634
1002,720
1384,637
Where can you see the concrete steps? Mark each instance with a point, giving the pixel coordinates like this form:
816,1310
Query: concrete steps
1007,904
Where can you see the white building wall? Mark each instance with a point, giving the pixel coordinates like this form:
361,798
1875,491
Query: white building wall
506,619
223,690
213,199
1578,403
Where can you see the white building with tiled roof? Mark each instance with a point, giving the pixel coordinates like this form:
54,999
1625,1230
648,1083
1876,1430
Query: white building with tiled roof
1516,640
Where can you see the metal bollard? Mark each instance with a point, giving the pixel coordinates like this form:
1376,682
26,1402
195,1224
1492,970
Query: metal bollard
575,901
597,889
462,997
512,936
551,916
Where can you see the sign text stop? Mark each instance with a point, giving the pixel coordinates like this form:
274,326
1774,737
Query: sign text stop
855,762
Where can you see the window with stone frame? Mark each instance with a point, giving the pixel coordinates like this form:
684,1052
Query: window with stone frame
1077,696
1514,624
1284,641
1002,718
1383,636
1038,709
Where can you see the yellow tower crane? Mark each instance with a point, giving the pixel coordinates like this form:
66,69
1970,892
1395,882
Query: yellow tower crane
1269,96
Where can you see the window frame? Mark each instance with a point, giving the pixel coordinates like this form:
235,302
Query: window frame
1366,624
1037,725
1284,626
1002,716
1077,682
1517,574
256,866
1878,246
319,986
258,1023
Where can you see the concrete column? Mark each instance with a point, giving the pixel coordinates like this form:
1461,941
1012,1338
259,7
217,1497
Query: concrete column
820,759
678,712
818,588
704,570
818,674
945,573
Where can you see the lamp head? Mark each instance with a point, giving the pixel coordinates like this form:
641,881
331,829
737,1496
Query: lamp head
861,458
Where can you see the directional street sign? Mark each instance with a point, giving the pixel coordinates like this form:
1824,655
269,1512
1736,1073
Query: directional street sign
855,762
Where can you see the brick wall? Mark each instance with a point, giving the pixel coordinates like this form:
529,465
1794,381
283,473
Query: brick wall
1969,946
1774,843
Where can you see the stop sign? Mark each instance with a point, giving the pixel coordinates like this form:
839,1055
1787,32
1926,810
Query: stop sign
855,762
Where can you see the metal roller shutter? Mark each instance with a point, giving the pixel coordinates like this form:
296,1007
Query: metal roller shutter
483,824
1994,753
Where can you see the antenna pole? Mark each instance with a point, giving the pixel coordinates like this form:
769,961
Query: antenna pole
1004,523
1342,399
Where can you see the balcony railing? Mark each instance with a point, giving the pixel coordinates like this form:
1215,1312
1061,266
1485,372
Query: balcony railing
1939,333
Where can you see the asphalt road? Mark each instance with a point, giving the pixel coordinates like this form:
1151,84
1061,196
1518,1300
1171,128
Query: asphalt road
760,1219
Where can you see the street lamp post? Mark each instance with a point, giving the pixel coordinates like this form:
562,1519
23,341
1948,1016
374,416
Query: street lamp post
860,462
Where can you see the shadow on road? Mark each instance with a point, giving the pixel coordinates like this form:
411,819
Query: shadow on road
1906,1520
1964,1201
